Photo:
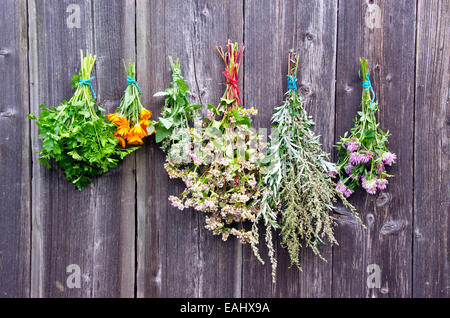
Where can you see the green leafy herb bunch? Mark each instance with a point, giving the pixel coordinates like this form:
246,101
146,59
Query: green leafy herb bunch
172,128
76,135
363,154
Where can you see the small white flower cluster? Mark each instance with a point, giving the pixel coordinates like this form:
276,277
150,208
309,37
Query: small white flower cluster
221,178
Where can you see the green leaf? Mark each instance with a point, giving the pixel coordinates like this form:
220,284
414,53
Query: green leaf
182,86
241,119
227,101
161,133
45,162
167,123
150,129
196,106
212,108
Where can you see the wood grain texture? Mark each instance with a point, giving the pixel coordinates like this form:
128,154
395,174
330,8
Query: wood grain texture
15,196
121,229
384,33
272,28
93,228
431,151
177,256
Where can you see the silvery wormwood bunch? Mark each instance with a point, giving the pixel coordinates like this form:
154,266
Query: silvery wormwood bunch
299,193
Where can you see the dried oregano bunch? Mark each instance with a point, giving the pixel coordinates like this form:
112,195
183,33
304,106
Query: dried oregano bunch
221,171
299,193
363,154
77,135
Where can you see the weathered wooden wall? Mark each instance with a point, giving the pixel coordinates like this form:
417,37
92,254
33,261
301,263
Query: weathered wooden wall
121,230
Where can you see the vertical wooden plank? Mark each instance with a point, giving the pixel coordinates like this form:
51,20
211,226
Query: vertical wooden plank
272,28
431,148
92,228
177,256
14,152
114,227
384,33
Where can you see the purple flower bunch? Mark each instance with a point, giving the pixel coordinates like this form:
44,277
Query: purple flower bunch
363,155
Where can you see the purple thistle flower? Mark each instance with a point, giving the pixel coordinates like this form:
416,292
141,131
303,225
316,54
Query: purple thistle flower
352,146
355,158
366,156
381,183
349,169
348,193
332,173
342,188
388,158
369,185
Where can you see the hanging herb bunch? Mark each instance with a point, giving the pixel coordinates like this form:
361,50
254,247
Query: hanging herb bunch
76,135
299,191
131,118
363,155
172,128
223,174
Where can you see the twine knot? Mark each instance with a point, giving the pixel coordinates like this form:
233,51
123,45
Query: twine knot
292,82
367,85
132,80
232,80
87,82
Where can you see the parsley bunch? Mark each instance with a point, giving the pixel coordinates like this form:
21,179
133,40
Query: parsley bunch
76,135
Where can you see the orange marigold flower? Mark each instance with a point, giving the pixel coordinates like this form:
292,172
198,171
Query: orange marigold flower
145,113
144,122
121,141
134,140
111,117
138,131
122,130
122,121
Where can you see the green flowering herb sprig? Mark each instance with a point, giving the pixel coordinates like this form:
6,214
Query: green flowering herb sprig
221,170
299,192
363,154
76,135
172,128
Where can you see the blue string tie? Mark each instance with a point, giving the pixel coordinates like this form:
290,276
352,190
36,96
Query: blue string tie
132,80
367,85
88,83
292,82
